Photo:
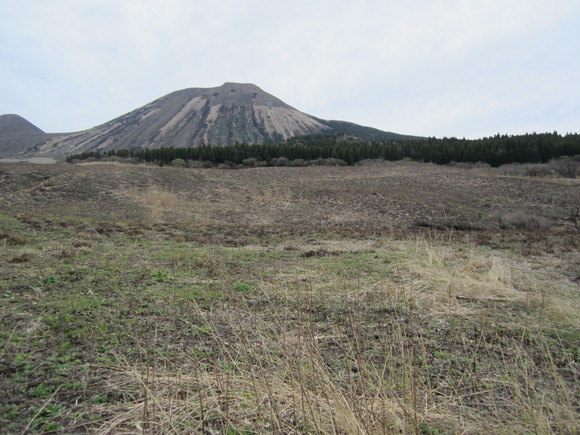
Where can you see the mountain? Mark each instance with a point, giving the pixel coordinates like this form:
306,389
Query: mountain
15,125
17,135
224,115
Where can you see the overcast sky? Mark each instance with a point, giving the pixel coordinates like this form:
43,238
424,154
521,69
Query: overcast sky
464,68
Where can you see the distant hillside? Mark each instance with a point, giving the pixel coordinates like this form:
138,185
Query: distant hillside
364,133
224,115
17,135
15,125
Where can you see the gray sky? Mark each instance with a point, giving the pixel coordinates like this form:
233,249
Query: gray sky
460,68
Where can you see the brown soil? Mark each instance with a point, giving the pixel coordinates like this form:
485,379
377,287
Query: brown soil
379,196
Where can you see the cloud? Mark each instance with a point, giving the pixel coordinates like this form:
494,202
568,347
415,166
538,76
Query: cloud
438,67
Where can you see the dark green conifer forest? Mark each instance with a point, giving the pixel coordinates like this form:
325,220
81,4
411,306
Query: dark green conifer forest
495,151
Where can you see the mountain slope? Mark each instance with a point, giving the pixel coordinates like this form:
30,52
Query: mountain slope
224,115
364,133
17,135
218,116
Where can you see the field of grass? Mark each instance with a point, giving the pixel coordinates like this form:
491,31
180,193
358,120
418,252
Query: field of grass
150,306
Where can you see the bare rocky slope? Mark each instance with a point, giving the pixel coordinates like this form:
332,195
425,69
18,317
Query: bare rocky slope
224,115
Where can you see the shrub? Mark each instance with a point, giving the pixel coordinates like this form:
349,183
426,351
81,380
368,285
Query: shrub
242,287
526,170
281,161
370,162
298,163
523,221
160,276
194,164
335,162
538,170
249,162
178,162
327,162
316,162
469,165
566,167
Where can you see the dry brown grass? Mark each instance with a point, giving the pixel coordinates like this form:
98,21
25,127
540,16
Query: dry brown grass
280,378
281,300
378,196
160,202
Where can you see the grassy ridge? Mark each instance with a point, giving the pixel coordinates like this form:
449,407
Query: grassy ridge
171,328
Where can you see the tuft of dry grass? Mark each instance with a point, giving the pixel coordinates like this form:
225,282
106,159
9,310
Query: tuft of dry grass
12,239
165,205
160,202
523,221
22,258
443,276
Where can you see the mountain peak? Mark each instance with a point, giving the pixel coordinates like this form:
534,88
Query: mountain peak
12,124
17,135
234,85
231,94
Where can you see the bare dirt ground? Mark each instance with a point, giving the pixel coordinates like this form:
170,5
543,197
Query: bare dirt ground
381,196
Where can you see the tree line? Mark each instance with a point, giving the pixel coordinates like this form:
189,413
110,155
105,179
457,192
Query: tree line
495,151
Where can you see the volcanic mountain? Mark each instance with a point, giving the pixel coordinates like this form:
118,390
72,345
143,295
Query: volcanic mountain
233,112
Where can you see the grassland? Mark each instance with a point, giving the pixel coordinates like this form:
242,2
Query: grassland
397,298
